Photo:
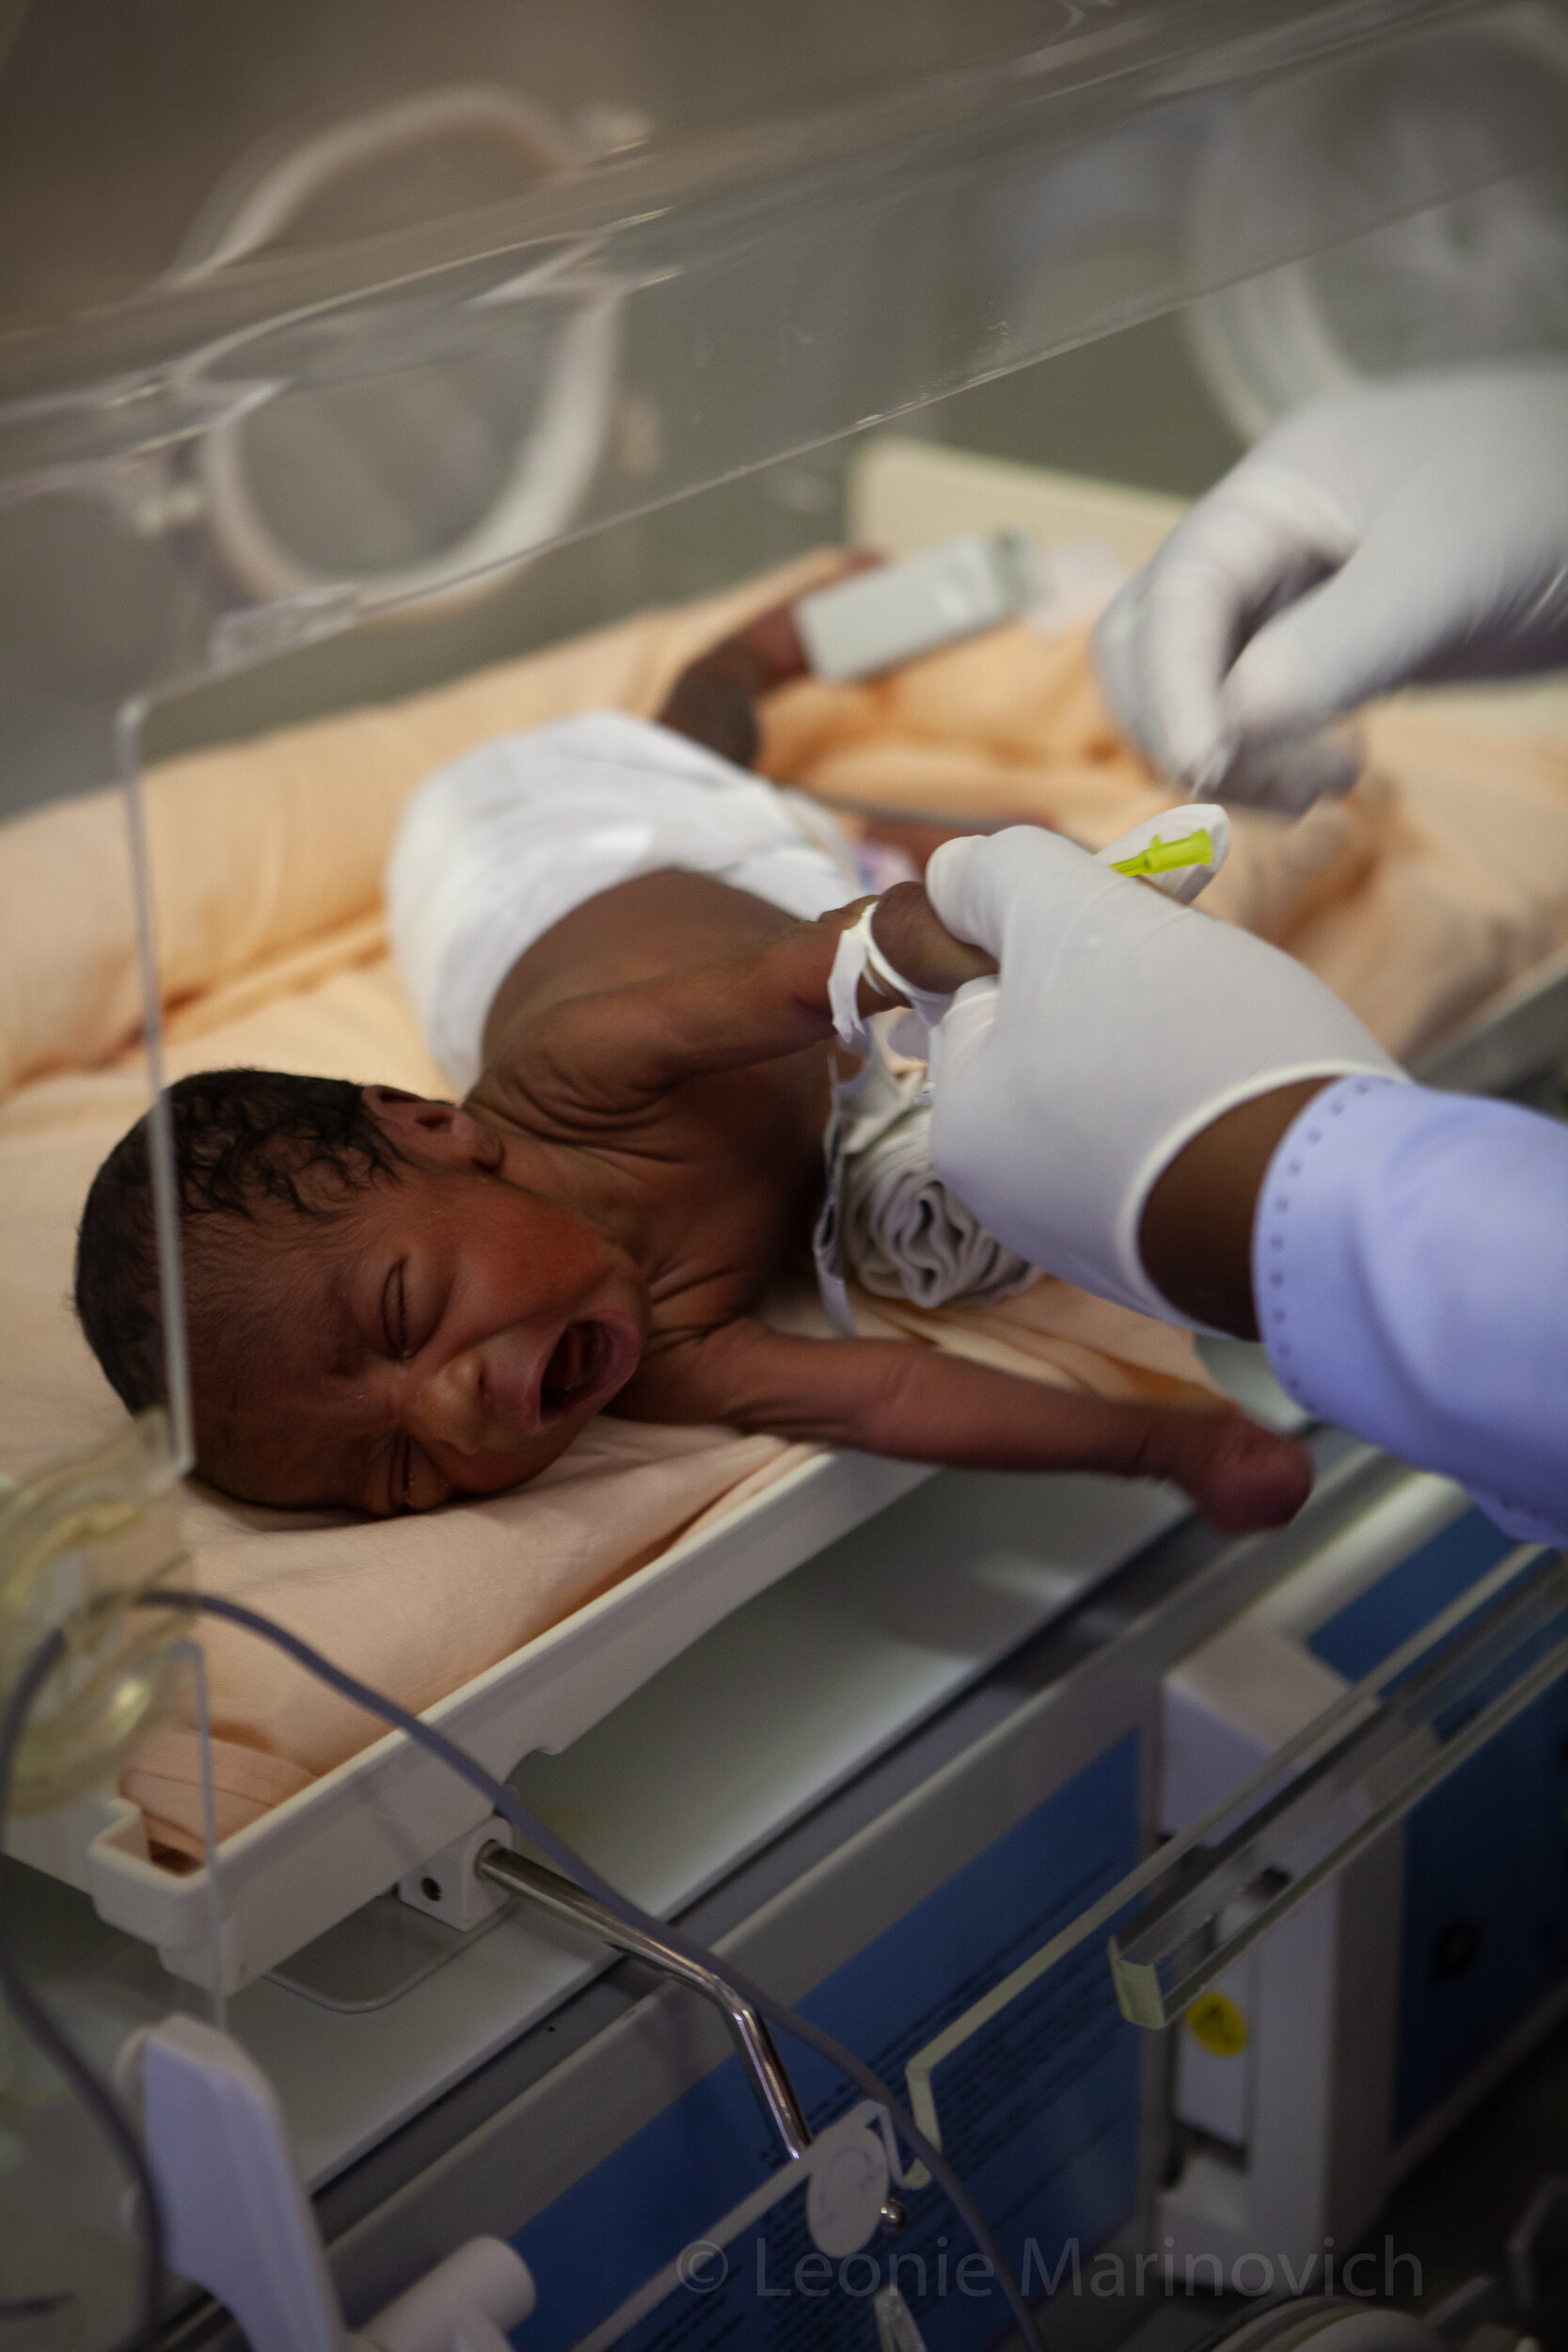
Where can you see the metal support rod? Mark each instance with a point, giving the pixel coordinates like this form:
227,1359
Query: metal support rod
550,1892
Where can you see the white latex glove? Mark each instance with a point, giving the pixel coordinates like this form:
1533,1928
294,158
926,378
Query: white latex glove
1119,1026
1437,507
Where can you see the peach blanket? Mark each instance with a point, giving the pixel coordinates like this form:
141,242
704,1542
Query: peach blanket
1445,876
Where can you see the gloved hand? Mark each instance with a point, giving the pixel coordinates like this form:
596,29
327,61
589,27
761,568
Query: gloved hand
1118,1026
1437,507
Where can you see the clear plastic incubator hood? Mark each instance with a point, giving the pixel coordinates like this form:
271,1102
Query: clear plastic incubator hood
321,324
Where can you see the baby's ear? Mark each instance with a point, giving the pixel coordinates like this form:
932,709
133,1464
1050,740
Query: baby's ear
424,1129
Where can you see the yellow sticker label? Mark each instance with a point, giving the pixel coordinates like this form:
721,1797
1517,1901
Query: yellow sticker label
1218,2023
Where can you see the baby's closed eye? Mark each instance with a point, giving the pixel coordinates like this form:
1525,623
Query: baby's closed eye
409,1311
394,1311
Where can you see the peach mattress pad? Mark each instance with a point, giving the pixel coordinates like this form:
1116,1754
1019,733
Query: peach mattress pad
1442,878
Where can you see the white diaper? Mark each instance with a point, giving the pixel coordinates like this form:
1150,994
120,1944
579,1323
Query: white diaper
495,849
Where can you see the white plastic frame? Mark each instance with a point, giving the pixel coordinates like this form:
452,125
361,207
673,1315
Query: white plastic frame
355,1831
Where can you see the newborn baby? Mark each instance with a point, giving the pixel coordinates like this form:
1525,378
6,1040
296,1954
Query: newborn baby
621,943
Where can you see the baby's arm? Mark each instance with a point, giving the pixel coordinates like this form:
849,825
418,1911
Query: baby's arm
619,1049
894,1396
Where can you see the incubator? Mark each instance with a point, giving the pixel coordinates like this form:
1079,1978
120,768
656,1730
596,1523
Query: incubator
374,380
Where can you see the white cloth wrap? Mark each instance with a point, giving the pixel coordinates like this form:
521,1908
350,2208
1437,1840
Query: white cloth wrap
903,1234
494,850
859,958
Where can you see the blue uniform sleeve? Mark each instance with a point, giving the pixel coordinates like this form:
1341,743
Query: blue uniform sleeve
1410,1265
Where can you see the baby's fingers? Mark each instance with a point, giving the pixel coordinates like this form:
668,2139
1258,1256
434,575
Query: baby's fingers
915,941
1241,1477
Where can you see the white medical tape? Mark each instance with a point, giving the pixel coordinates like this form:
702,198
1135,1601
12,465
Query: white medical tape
859,956
844,987
928,1003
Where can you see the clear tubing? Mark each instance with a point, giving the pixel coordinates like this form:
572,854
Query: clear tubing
196,1658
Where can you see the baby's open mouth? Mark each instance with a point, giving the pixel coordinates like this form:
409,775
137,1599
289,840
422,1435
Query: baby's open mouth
579,1364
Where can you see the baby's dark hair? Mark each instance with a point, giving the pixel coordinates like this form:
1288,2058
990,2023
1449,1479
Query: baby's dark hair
241,1138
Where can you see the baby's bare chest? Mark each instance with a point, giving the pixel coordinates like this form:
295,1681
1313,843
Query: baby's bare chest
734,1186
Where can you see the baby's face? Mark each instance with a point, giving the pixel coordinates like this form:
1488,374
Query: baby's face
449,1334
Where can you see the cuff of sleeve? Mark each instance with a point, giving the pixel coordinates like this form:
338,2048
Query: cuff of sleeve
1304,1285
1408,1253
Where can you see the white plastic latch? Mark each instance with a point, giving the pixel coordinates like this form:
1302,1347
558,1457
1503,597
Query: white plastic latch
847,2193
468,2303
238,2221
447,1885
240,2224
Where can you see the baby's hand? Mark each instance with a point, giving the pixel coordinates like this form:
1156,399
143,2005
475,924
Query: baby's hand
714,699
917,944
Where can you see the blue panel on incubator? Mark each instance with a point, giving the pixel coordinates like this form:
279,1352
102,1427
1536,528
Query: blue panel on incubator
1410,1595
1485,1929
1039,2114
1485,1906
